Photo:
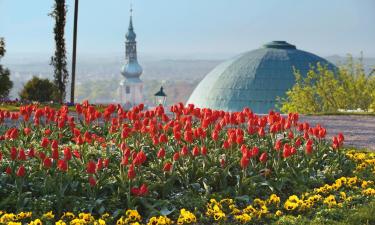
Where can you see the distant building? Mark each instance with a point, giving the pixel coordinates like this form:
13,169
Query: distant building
254,79
131,87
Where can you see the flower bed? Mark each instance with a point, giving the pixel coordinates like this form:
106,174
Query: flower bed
188,166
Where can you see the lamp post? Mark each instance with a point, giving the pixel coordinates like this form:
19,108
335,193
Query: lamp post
74,52
160,97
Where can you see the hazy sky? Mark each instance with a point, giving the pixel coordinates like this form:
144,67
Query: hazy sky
195,27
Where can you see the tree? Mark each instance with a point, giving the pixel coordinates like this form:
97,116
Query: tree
5,83
59,59
324,90
41,90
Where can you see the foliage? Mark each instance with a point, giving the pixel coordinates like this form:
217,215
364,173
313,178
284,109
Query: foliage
326,91
107,161
5,83
59,59
37,89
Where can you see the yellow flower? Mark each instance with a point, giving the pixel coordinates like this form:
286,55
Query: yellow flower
99,222
24,215
273,199
14,223
68,215
330,201
120,221
61,222
132,215
186,217
86,217
105,216
219,216
48,216
243,218
36,222
369,192
161,220
77,222
343,195
278,213
7,217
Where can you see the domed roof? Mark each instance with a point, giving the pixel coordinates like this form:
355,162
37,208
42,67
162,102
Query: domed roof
131,69
254,79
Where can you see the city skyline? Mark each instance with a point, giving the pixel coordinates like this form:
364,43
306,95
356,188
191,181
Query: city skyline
193,28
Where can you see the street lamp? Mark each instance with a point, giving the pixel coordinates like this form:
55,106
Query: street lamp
160,97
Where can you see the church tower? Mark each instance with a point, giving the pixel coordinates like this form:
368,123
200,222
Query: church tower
131,87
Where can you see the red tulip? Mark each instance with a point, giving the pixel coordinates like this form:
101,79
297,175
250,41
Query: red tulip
91,167
21,155
340,138
176,156
76,154
45,142
195,151
26,131
8,170
244,162
21,171
134,191
55,154
31,153
92,181
167,167
184,150
163,138
13,153
131,172
161,153
203,150
54,144
143,190
62,165
47,163
309,149
263,157
278,145
67,154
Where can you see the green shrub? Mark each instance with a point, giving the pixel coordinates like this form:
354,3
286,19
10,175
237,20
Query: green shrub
5,83
37,89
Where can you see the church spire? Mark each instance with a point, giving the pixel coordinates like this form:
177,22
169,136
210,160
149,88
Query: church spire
131,68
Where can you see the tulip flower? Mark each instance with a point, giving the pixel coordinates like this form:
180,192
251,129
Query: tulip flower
195,151
67,154
184,151
244,162
263,157
203,150
45,142
21,172
62,165
131,172
167,167
176,156
91,167
22,155
161,153
47,163
8,170
92,181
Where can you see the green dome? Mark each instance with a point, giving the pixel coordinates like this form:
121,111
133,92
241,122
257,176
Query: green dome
254,79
